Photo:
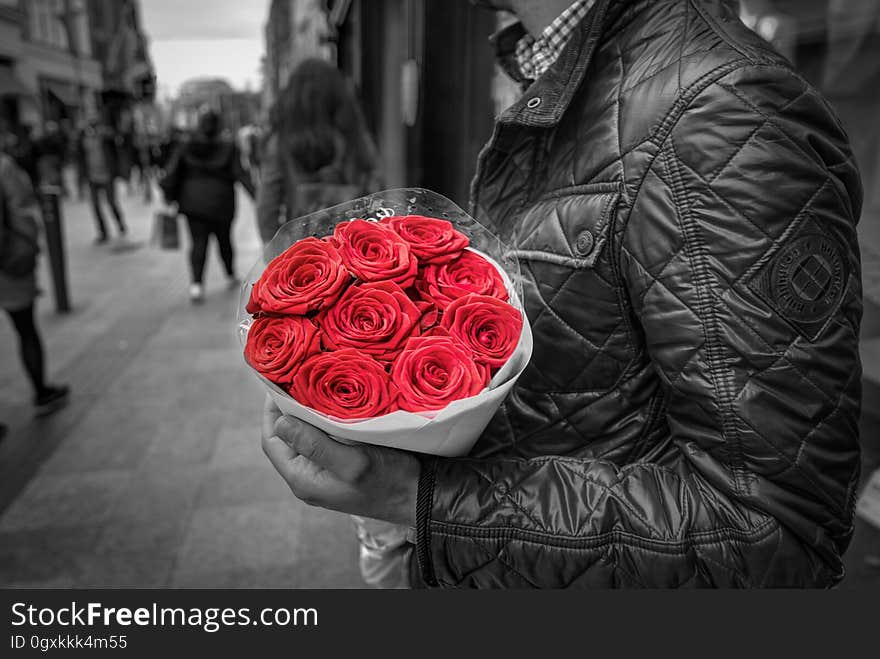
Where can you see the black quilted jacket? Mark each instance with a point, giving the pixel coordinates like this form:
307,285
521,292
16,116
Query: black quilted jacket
683,207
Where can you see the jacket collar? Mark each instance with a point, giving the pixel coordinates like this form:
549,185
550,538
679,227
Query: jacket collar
545,100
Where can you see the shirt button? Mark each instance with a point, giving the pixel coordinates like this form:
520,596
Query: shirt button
533,102
584,243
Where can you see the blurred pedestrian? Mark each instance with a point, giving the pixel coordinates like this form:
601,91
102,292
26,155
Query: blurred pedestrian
51,148
99,160
318,153
125,149
18,283
168,146
20,146
82,179
250,140
201,179
143,149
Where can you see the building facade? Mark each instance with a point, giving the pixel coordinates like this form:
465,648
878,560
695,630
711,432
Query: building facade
237,108
65,60
428,82
121,46
295,30
46,62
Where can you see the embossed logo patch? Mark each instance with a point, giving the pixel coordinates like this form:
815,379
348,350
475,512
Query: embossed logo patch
808,279
804,281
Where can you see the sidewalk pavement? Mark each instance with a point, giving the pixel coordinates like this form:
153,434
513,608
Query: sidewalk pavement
153,476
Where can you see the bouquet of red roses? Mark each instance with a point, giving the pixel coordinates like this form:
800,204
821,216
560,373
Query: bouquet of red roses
387,326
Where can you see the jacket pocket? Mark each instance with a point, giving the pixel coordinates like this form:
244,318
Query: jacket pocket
570,292
569,227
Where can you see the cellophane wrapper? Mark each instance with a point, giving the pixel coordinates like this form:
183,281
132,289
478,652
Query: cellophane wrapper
453,430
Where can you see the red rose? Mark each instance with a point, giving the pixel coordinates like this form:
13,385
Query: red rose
346,384
488,326
308,276
467,274
376,318
432,240
276,346
373,252
434,371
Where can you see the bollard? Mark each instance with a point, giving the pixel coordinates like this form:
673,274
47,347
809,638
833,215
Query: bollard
51,210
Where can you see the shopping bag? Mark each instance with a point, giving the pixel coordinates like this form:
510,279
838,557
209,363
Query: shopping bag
166,229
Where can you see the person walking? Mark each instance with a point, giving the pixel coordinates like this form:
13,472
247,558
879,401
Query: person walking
99,160
18,282
201,180
318,152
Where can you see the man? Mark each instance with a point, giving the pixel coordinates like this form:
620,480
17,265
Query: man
99,160
683,207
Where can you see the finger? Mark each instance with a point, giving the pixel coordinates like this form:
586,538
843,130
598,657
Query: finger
347,462
270,416
280,455
298,472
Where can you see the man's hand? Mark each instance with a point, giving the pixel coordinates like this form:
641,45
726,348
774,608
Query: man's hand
371,481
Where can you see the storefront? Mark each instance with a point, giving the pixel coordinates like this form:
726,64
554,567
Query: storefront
426,92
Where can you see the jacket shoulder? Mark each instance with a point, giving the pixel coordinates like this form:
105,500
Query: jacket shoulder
665,53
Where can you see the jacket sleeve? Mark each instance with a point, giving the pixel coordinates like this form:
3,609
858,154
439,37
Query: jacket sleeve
271,193
740,262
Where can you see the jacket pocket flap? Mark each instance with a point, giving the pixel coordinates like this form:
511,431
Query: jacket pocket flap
568,228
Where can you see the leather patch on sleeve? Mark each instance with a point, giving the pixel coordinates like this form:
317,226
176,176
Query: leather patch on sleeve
805,280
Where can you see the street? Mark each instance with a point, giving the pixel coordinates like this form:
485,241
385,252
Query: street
153,476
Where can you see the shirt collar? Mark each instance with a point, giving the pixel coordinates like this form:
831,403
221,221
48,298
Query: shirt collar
545,100
534,56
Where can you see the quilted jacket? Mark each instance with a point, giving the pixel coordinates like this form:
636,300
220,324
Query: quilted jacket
683,208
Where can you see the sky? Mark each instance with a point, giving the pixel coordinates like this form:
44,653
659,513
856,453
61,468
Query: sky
213,38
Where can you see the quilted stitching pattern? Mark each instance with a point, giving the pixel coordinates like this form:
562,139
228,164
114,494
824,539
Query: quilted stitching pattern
670,430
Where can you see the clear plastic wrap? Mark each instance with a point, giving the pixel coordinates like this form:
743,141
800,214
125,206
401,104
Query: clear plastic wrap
454,429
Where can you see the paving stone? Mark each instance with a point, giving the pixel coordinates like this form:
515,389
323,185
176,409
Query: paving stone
312,572
305,574
59,500
242,484
46,555
235,538
152,494
65,581
184,441
161,535
237,446
125,570
111,436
